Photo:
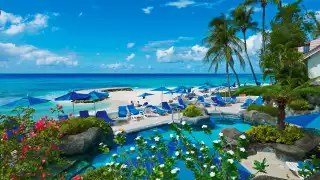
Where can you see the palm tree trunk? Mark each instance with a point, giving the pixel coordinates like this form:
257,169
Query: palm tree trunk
282,115
246,50
234,72
228,81
263,4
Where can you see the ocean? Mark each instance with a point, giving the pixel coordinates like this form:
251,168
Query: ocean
50,86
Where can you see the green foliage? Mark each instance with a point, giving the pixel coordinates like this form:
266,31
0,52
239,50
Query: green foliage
250,90
192,111
272,111
79,125
299,104
269,133
310,167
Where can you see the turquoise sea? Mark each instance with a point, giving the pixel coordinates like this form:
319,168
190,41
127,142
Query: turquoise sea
50,86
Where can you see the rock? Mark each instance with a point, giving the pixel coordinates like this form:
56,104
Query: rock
289,152
231,135
307,143
86,142
265,177
195,120
314,177
313,99
257,117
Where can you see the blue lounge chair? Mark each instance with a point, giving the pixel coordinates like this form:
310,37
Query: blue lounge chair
103,115
259,101
122,112
217,102
63,117
201,99
166,107
247,103
145,104
159,111
132,110
84,114
181,103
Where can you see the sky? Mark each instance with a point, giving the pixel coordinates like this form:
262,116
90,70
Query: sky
115,36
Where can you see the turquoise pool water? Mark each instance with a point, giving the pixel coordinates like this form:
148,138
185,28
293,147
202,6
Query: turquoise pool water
102,159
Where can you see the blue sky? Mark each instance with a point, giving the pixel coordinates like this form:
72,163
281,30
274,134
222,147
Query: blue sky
113,36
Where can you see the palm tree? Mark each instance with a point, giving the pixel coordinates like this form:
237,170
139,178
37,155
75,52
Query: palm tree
263,6
242,17
223,45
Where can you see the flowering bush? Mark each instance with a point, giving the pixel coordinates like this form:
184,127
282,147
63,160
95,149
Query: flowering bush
27,147
155,158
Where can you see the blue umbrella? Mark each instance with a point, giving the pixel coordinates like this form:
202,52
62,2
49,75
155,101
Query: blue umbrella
26,101
311,121
94,95
145,94
161,89
71,96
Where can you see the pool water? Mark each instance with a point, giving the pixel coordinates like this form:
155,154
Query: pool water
102,159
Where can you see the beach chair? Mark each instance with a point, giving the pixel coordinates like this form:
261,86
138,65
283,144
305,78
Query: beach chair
201,100
159,111
165,106
84,114
122,113
135,114
149,112
63,117
295,167
181,103
217,102
103,115
247,103
259,101
145,104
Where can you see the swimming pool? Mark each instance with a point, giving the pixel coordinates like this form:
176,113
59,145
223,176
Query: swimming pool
102,159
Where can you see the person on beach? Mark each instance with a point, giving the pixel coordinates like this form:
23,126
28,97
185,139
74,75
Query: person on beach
132,103
138,104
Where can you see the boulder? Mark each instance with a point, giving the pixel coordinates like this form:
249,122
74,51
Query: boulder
289,152
314,177
315,82
257,117
307,143
231,135
265,177
313,99
195,120
86,142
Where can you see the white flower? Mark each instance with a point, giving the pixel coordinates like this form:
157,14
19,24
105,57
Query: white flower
205,166
161,165
192,152
230,161
199,156
212,167
205,157
100,143
175,170
153,156
177,153
109,170
177,137
132,148
111,163
204,126
158,179
202,142
188,159
183,123
220,158
242,136
104,146
193,145
107,164
169,122
152,147
123,166
233,178
114,155
212,174
221,134
216,141
171,136
242,149
201,149
187,152
157,139
145,142
137,138
138,158
231,152
117,164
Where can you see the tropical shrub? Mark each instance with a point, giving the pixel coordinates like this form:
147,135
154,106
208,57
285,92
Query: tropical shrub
79,125
28,148
271,134
310,167
150,158
192,111
250,90
272,111
299,104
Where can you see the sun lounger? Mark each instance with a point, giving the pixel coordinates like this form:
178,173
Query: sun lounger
122,113
159,111
166,107
181,103
145,104
217,102
149,112
247,103
63,117
201,100
84,114
259,101
103,115
134,113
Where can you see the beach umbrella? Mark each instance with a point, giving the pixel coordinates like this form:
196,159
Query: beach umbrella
26,101
311,121
143,95
161,89
72,96
94,95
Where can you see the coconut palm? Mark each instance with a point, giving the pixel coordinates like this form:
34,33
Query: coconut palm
224,44
242,17
263,6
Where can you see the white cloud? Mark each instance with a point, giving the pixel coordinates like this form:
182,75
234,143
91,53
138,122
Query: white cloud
130,45
54,29
147,10
185,38
150,67
155,45
257,9
55,14
254,44
165,55
148,56
131,56
80,14
30,53
188,66
117,66
15,24
181,3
